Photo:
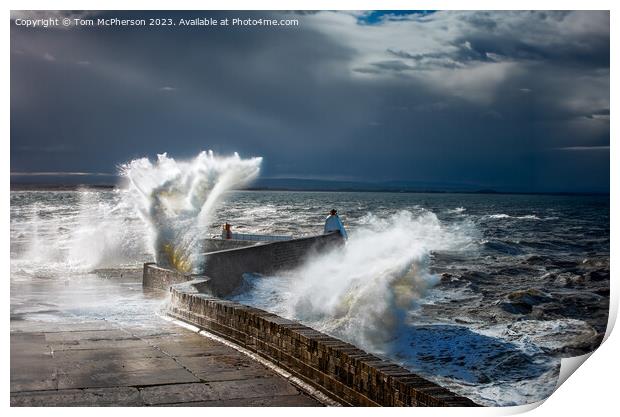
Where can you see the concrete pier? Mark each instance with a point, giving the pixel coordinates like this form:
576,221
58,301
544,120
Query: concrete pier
97,341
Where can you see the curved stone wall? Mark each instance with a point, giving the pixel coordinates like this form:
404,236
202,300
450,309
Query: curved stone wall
344,372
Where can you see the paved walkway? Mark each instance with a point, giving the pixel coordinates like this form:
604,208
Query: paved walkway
60,357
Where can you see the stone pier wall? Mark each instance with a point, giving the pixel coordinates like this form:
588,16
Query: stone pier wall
339,369
154,276
225,268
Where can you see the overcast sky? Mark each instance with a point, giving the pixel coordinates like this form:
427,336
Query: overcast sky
507,100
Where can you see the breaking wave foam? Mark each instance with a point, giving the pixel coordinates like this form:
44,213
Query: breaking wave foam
98,232
457,210
507,216
363,291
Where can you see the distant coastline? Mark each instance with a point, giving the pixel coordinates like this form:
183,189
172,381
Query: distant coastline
17,186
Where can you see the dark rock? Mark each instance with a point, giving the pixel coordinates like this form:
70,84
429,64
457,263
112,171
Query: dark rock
602,291
598,276
521,302
569,280
516,308
536,260
447,277
513,271
565,264
530,296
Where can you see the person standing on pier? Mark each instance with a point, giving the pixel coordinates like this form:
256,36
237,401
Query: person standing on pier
227,231
334,224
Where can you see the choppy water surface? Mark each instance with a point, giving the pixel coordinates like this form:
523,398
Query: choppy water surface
480,293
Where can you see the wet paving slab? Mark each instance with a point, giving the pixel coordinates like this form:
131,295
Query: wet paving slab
111,353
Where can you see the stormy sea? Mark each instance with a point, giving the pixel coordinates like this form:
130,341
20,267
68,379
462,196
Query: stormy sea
481,293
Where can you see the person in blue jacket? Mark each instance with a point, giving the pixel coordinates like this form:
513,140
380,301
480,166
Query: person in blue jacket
334,224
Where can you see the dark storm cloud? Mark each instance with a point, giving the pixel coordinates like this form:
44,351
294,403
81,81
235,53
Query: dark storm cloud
477,98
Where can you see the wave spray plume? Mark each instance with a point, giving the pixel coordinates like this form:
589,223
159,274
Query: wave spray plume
364,291
177,198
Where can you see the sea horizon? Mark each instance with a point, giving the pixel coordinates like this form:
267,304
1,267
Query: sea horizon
27,186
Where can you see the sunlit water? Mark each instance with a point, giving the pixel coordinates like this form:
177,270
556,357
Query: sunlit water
480,293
